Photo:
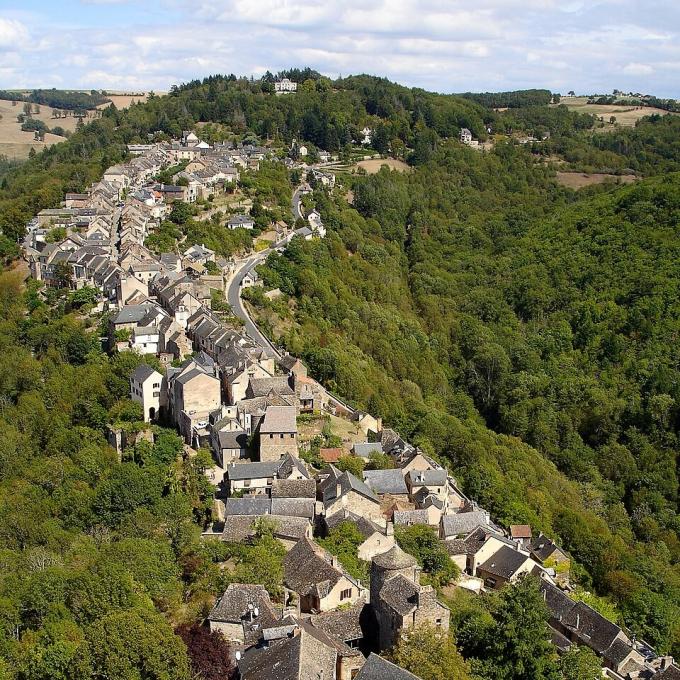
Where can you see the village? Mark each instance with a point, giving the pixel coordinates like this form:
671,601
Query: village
225,387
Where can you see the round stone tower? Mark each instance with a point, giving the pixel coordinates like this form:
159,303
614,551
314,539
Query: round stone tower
388,565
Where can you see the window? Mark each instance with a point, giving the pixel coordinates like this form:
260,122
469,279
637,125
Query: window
156,394
271,436
438,622
246,482
346,594
292,436
156,385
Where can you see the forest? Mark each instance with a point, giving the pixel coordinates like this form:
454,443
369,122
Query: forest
523,337
522,333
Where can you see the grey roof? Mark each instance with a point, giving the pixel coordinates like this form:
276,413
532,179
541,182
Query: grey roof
261,387
364,449
233,439
132,313
240,219
394,558
463,522
248,505
293,507
377,668
348,482
258,470
301,657
543,547
238,528
279,419
401,594
307,569
142,372
386,481
233,604
504,563
591,627
343,625
408,517
365,526
293,488
428,477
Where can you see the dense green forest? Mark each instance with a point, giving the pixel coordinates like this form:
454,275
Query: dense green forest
521,332
527,339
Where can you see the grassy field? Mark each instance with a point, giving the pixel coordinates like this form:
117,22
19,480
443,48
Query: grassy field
578,180
16,144
625,115
374,165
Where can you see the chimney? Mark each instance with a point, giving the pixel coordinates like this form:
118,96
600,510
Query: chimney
338,490
578,621
334,561
389,529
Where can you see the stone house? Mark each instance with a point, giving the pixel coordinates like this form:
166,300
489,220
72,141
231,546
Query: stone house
145,389
343,491
504,566
398,600
241,613
318,579
550,556
278,433
462,523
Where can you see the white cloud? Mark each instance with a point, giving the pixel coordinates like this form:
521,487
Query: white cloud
12,34
447,45
634,69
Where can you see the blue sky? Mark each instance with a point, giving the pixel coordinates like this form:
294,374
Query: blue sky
444,45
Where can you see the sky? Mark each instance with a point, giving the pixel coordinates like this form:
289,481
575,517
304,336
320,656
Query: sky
589,46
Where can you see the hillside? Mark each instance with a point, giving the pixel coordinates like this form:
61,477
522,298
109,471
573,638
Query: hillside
519,332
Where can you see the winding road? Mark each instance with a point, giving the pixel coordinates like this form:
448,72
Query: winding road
234,295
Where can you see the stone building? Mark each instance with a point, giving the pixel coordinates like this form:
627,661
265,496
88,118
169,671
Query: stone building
398,600
278,433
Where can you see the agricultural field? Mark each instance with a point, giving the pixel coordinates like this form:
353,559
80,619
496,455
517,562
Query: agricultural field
578,180
625,115
372,166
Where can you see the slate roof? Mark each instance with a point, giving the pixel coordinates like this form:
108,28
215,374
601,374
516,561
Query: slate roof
365,526
559,605
293,488
343,625
400,594
670,673
261,387
238,528
365,449
279,419
377,668
248,505
409,517
257,470
428,477
233,607
504,563
542,548
293,507
394,558
142,372
132,314
386,481
463,522
306,570
308,655
596,631
348,482
233,439
455,546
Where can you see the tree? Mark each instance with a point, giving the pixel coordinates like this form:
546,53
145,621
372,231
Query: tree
209,653
351,463
431,654
519,644
580,663
137,644
423,543
181,212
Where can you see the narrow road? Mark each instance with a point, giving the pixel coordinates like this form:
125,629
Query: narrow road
296,204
